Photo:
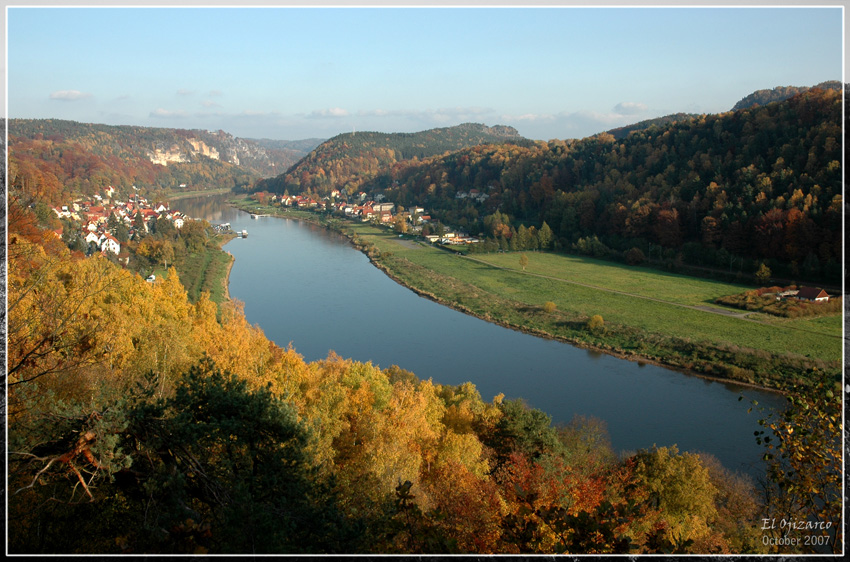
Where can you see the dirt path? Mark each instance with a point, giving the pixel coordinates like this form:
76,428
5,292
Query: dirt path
411,244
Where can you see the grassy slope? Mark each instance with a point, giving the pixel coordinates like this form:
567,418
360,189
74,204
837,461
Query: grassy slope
203,271
206,271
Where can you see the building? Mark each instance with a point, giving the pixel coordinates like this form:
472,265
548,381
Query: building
812,294
110,244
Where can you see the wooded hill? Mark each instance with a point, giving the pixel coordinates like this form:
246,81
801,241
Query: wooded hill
781,93
623,132
346,162
726,191
55,159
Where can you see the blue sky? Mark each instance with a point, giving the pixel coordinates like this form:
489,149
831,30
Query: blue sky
294,73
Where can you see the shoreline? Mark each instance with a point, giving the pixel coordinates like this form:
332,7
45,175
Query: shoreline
226,279
579,345
177,196
532,332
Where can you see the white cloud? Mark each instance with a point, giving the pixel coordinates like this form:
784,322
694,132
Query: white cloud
69,95
210,103
430,115
252,113
532,117
629,108
333,112
185,92
168,114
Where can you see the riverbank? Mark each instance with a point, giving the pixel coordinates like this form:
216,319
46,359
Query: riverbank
514,299
178,195
225,280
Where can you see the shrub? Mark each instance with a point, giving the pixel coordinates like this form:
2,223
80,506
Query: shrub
596,324
635,256
549,307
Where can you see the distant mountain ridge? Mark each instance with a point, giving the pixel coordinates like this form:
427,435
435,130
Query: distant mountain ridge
349,160
781,93
302,146
163,145
58,158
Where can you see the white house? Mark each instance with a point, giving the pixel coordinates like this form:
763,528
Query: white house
110,244
93,237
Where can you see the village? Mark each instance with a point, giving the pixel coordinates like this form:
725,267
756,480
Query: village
107,221
413,220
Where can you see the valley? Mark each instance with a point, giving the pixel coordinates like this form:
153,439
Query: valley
320,389
667,318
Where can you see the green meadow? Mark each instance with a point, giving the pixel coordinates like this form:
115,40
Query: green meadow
652,314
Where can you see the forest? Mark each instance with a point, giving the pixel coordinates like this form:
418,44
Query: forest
350,160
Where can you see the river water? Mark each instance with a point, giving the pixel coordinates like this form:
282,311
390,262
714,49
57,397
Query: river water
307,286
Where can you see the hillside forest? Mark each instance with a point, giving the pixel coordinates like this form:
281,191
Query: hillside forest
730,192
58,160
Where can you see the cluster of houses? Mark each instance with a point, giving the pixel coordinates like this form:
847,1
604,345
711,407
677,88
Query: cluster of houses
94,215
474,194
376,210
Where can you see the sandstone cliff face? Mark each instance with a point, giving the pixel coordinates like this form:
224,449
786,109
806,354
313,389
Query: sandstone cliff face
170,155
222,146
186,151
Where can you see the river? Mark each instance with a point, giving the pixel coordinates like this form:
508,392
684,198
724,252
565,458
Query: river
309,287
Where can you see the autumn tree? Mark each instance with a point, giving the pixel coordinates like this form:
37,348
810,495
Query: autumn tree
763,274
680,487
804,477
545,236
635,256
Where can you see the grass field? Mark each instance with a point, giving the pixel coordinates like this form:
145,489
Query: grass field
652,302
202,271
206,271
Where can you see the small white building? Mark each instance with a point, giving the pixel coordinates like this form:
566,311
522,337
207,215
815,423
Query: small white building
93,237
110,244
